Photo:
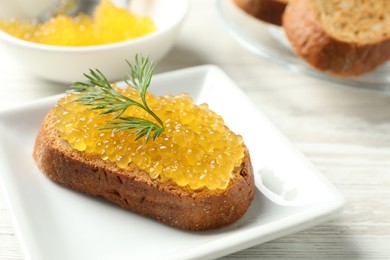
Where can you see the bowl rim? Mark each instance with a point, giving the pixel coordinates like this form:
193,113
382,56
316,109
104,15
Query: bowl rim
107,46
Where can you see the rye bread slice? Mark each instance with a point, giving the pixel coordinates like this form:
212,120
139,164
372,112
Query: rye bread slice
269,11
133,189
344,38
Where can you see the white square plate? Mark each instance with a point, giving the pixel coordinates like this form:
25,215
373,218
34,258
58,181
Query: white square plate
56,223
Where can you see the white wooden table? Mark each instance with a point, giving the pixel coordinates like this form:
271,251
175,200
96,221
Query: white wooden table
344,132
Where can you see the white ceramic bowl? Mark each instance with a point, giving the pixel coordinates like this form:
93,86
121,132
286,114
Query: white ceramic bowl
67,64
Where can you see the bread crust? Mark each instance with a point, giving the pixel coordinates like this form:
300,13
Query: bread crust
133,189
326,52
269,11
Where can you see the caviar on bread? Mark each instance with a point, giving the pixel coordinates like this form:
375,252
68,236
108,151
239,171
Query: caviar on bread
162,157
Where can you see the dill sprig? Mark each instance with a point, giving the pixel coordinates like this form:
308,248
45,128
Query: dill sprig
98,93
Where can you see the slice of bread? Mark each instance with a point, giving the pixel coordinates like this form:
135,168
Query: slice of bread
133,189
269,11
345,38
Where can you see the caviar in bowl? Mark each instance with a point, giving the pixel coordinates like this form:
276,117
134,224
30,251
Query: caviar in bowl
66,63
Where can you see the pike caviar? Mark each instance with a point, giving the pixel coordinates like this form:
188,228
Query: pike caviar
108,25
196,149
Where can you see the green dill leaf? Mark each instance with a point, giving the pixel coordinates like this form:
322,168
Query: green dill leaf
139,126
98,94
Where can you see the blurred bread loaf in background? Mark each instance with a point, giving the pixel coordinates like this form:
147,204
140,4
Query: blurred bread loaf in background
269,11
342,37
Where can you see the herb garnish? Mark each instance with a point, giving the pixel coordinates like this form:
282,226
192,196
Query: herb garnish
100,95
